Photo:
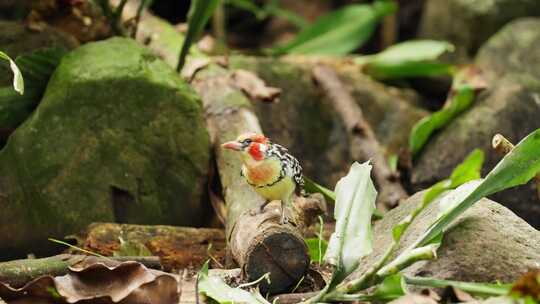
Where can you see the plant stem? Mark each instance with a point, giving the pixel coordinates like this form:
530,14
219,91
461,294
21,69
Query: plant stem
219,29
471,287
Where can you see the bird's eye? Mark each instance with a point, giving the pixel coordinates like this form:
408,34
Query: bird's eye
247,141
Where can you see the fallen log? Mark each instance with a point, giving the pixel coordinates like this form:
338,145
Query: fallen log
257,242
177,247
363,143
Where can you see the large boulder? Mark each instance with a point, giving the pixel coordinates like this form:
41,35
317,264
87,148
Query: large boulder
510,106
487,243
118,137
468,24
311,129
513,49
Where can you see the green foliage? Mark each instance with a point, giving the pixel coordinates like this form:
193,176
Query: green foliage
316,248
37,67
391,288
461,98
312,187
477,289
355,203
18,82
219,291
339,32
516,168
199,13
270,8
467,171
413,58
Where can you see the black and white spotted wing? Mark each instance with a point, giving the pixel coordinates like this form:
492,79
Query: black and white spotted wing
290,166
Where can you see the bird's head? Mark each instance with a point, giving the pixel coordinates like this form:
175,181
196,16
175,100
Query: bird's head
250,145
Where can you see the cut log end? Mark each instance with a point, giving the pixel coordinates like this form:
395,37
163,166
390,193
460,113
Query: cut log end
283,255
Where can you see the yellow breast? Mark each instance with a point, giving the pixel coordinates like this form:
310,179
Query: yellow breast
264,176
281,190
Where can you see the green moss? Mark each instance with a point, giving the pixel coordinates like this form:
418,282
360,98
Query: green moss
117,136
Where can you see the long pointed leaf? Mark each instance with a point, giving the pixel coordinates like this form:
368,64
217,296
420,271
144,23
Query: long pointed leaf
516,168
199,13
214,288
355,203
18,82
339,32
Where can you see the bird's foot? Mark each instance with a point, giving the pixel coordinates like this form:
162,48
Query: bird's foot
259,210
283,220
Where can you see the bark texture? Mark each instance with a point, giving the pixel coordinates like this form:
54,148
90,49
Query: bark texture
257,242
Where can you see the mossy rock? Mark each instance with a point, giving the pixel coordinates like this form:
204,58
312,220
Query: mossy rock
510,106
468,24
16,39
118,137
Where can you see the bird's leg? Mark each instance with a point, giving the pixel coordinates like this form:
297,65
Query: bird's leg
284,204
260,210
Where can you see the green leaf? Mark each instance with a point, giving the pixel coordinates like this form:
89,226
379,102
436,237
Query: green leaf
271,8
516,168
464,86
312,187
408,59
422,130
18,82
392,287
355,203
37,67
214,288
198,15
316,248
469,169
339,32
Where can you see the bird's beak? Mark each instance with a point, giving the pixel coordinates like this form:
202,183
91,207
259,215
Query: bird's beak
232,145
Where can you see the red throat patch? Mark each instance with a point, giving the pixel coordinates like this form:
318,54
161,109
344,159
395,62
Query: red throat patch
255,151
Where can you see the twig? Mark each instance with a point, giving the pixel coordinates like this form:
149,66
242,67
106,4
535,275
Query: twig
363,144
219,29
19,272
503,146
140,9
388,31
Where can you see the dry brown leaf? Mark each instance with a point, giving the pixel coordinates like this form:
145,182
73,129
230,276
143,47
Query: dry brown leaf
414,299
192,66
111,282
254,87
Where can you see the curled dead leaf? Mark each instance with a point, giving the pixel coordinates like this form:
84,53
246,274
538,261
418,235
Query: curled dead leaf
254,87
109,282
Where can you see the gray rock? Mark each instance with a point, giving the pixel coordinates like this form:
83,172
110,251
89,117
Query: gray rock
118,136
486,243
310,128
513,49
510,106
468,24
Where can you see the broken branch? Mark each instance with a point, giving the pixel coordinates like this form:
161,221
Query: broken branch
363,144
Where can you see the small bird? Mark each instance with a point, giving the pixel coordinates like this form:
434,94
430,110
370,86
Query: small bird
269,169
